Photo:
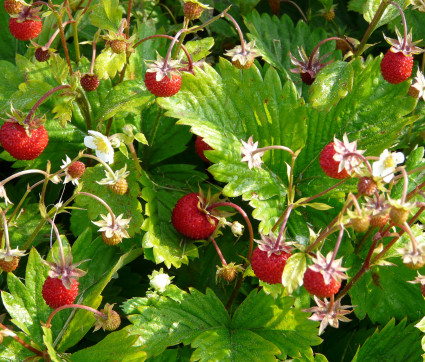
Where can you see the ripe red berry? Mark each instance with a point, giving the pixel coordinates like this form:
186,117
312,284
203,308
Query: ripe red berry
120,187
14,140
76,170
200,147
56,295
396,67
89,82
25,30
9,266
315,284
269,269
329,165
118,46
366,186
42,55
113,240
166,87
13,7
192,10
191,222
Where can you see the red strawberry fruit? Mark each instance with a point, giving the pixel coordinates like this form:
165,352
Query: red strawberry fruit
13,7
77,169
16,141
396,67
269,269
27,24
56,295
89,82
166,87
329,165
200,147
315,284
42,55
192,220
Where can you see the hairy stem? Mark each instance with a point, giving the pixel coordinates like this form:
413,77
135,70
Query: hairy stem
76,306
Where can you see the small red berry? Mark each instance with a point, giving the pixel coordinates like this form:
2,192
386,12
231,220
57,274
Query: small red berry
15,140
56,295
89,82
379,220
77,169
366,186
315,284
329,165
9,266
269,269
396,67
12,7
200,147
120,187
25,30
166,87
307,78
42,55
191,222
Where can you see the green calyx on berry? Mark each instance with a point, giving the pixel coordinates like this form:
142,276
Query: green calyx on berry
359,221
307,70
110,319
113,229
243,59
399,212
116,181
193,9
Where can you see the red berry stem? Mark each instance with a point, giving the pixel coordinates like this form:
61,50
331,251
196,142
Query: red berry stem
6,232
104,164
63,39
405,184
276,147
93,55
409,232
285,221
310,60
298,8
238,29
338,244
355,202
42,3
21,173
127,29
371,28
75,306
61,253
189,57
42,99
102,202
122,25
21,341
47,45
220,254
404,21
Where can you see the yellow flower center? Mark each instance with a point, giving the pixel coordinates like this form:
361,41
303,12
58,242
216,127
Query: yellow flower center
101,145
389,162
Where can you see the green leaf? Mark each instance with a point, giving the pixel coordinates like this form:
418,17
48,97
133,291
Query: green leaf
11,350
392,343
356,5
48,342
10,78
109,63
261,327
384,292
198,49
293,272
28,94
25,303
60,69
116,346
390,13
165,242
128,96
216,108
8,44
107,15
332,83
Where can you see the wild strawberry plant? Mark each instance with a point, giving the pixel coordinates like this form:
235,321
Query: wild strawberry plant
225,180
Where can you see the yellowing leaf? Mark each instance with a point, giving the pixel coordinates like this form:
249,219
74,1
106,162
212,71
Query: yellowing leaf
293,273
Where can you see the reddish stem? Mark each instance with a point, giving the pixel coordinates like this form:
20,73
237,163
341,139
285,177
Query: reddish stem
310,60
75,306
220,254
404,22
21,341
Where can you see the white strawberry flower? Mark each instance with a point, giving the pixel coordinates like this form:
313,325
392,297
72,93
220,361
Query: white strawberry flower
387,164
248,149
100,143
